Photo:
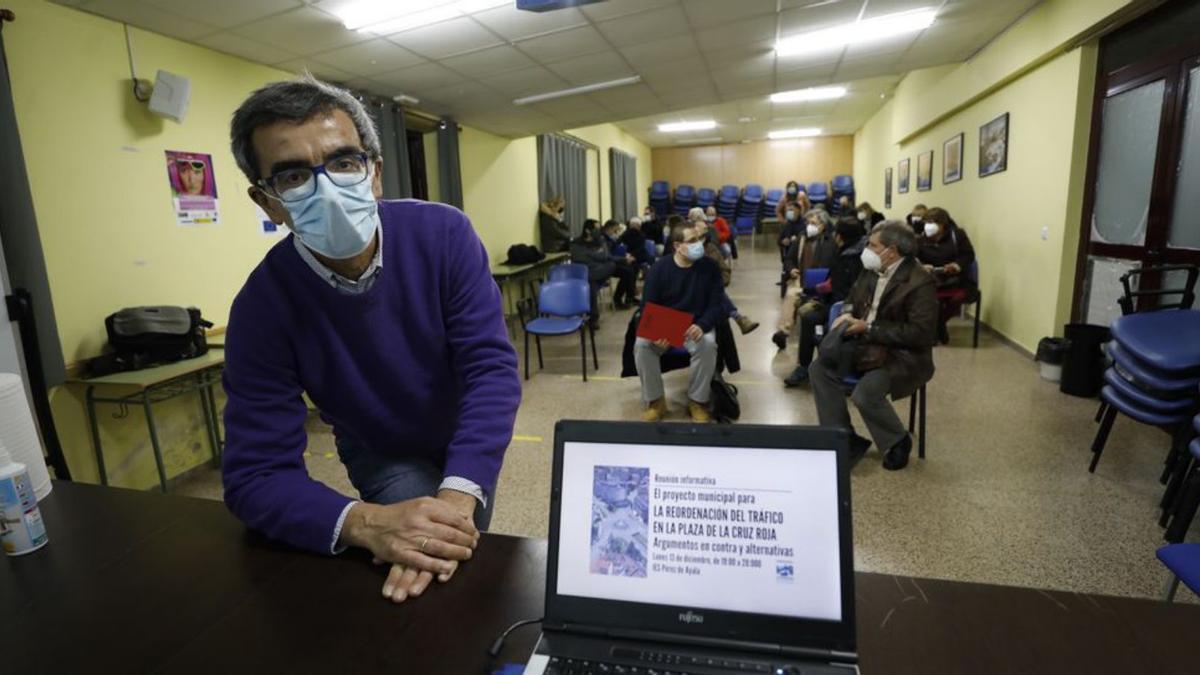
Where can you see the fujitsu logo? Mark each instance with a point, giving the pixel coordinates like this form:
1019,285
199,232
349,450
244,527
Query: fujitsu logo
691,617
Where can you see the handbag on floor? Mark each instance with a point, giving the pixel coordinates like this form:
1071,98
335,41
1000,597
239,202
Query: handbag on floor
725,406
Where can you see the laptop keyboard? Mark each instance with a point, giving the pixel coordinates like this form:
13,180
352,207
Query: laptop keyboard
657,663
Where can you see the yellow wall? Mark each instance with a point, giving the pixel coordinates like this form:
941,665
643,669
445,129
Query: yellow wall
499,178
98,177
769,163
606,136
1026,280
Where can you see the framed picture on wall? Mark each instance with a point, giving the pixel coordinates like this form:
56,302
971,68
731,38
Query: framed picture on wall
887,188
993,146
902,178
952,160
925,171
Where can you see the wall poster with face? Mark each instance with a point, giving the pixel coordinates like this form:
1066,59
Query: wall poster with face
193,188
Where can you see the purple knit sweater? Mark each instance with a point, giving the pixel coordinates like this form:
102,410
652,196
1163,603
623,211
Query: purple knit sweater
419,364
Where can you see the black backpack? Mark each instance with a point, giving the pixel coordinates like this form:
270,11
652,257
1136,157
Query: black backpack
725,406
523,254
146,336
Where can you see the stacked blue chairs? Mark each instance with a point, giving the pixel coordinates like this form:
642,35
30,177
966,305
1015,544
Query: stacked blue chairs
727,202
744,225
660,198
563,306
685,199
915,401
843,186
818,193
751,203
772,202
1153,378
706,197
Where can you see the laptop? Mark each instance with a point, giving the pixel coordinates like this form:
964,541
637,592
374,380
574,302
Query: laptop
699,550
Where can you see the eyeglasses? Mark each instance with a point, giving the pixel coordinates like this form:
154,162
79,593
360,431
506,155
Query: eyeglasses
293,185
194,164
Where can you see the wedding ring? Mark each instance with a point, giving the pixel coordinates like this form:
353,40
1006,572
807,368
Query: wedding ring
424,540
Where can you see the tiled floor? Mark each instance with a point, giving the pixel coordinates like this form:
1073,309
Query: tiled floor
1003,497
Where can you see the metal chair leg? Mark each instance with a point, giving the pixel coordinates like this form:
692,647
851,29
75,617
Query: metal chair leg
1170,588
1188,503
583,351
1100,412
1110,415
95,425
921,446
978,311
1178,451
595,359
538,340
912,412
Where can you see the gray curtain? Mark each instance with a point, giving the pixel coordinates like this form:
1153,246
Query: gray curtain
562,170
449,169
19,233
397,176
622,174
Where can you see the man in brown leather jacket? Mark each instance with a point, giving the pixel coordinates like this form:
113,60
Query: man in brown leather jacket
893,304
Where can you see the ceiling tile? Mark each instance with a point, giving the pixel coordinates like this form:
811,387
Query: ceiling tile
655,52
646,27
895,46
302,31
805,19
464,96
564,44
674,73
592,68
417,78
784,64
745,69
151,18
245,48
806,77
526,81
369,58
724,36
488,61
225,13
320,70
447,38
611,9
739,51
709,13
734,89
514,24
853,69
877,8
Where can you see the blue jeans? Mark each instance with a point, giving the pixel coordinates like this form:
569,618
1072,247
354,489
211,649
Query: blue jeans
387,479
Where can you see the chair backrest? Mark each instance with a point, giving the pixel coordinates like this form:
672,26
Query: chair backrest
685,192
729,193
818,192
568,297
567,271
651,249
814,276
660,188
706,196
973,272
774,195
834,312
1130,301
744,224
843,183
753,193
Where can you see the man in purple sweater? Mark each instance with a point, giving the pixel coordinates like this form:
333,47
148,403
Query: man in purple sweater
386,315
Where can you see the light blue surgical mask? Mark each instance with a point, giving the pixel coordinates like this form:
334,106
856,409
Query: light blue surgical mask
337,222
695,251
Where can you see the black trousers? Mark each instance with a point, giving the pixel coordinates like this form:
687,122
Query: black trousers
808,334
626,276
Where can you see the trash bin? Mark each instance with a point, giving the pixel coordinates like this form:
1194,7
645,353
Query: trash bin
1083,362
1050,354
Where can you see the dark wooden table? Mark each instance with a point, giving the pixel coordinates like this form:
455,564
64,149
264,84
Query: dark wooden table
137,582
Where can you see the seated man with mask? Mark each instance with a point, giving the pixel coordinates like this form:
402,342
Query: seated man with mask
385,314
890,319
815,249
688,281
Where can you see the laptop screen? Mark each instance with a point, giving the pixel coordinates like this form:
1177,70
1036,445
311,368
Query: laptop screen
738,529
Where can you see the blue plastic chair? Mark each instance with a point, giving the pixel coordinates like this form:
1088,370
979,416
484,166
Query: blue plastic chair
567,271
772,201
727,202
916,401
842,186
685,199
706,197
813,277
744,225
660,198
1183,560
563,308
818,193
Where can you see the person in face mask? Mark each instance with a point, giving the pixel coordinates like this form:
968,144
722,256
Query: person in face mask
708,237
690,282
385,314
868,216
721,227
890,320
793,197
589,249
815,248
635,242
625,271
916,219
552,225
946,252
791,231
652,228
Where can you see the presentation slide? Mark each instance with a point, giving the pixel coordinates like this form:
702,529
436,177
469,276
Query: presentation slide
736,529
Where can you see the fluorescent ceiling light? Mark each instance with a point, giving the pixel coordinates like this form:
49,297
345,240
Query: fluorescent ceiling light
676,127
596,86
856,32
810,94
385,16
793,133
700,141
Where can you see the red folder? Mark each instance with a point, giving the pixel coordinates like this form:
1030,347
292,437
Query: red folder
663,323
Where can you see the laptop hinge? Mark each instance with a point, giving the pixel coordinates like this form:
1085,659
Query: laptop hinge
711,642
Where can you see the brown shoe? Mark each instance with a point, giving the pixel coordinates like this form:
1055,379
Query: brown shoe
699,412
746,324
655,411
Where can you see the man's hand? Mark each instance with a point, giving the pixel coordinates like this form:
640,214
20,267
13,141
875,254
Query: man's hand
855,326
427,534
405,582
842,318
928,268
693,333
662,344
630,259
795,273
952,268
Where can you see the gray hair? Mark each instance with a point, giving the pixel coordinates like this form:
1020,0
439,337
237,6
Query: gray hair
823,216
635,221
295,101
896,233
695,213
